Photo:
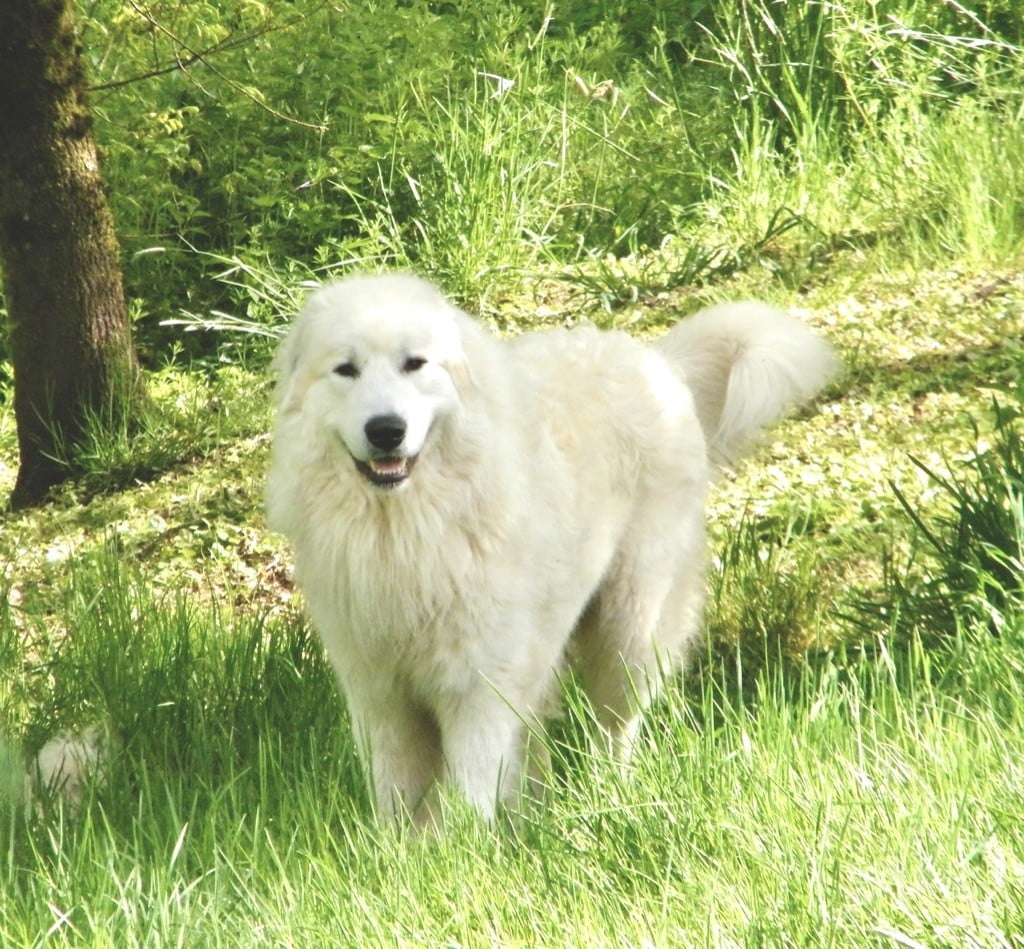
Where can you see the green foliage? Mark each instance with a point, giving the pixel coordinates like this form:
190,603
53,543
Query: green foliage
174,680
815,71
769,588
388,134
486,199
186,417
265,294
611,282
966,565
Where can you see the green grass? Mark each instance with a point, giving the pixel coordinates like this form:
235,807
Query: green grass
187,416
842,766
878,805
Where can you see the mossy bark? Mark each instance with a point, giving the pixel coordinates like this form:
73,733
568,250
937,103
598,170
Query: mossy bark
69,330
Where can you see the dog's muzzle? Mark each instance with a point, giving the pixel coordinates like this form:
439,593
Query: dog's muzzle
386,467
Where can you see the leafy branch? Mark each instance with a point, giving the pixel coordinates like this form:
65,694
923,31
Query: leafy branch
192,56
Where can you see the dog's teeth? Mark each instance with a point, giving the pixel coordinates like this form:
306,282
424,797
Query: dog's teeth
388,466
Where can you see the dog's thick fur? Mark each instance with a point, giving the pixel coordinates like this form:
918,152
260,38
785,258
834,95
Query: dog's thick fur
470,514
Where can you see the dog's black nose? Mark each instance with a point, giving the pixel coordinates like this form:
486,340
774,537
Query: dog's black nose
385,432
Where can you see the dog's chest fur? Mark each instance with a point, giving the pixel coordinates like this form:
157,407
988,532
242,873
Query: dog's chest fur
406,586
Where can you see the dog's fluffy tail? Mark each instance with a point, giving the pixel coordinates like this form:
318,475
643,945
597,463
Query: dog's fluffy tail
746,365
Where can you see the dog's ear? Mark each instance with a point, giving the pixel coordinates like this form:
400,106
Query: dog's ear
461,374
460,364
292,379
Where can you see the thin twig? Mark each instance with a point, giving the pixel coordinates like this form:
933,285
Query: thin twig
231,42
202,56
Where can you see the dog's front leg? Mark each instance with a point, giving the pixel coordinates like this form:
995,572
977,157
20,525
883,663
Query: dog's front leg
482,737
401,745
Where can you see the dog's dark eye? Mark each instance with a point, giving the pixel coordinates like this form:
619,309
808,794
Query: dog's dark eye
414,363
346,369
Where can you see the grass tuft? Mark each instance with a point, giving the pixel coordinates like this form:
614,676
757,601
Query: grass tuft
965,564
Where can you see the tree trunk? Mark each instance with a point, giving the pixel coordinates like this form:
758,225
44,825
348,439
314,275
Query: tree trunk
70,340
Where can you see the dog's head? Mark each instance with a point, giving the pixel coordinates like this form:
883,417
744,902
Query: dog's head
372,365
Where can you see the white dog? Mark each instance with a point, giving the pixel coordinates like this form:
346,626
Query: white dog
470,514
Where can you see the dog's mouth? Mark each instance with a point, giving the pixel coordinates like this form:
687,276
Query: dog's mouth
386,471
